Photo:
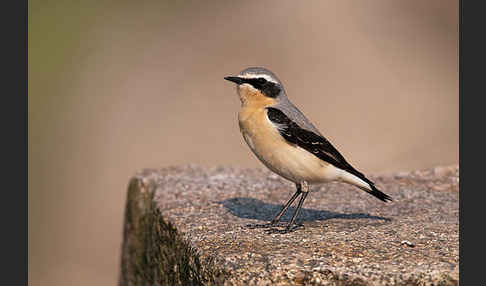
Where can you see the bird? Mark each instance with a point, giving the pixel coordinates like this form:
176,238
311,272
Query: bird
287,143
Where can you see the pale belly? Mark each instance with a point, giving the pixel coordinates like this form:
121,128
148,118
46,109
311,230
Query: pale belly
287,160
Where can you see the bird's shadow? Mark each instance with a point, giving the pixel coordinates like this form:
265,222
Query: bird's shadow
251,208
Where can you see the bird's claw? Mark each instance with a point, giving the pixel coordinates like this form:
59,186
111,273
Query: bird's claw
266,225
286,230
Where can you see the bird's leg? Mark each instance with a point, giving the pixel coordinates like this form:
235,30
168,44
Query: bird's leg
277,218
299,206
305,191
287,205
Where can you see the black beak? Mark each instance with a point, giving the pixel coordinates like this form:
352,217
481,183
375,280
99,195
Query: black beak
235,79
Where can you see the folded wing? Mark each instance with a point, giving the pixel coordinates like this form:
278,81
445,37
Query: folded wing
317,145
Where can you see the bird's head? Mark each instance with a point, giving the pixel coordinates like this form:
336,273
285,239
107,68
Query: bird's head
257,84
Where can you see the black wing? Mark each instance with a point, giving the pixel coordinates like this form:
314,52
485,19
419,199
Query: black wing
317,145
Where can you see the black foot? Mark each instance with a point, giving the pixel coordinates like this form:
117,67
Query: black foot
287,229
266,225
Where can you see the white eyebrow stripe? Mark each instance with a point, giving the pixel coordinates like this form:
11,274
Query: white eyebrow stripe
254,75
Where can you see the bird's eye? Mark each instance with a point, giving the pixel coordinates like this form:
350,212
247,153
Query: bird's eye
262,80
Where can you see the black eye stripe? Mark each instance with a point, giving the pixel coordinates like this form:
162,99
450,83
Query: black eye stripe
268,88
257,83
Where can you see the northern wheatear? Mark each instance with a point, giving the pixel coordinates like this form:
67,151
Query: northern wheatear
285,141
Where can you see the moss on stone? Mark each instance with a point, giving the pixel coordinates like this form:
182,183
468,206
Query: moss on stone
155,253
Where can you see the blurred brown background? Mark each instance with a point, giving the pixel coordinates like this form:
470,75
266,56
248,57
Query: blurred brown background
116,86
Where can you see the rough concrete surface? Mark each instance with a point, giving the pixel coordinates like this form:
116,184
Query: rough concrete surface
189,225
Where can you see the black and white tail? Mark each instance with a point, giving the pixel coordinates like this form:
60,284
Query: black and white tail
366,185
